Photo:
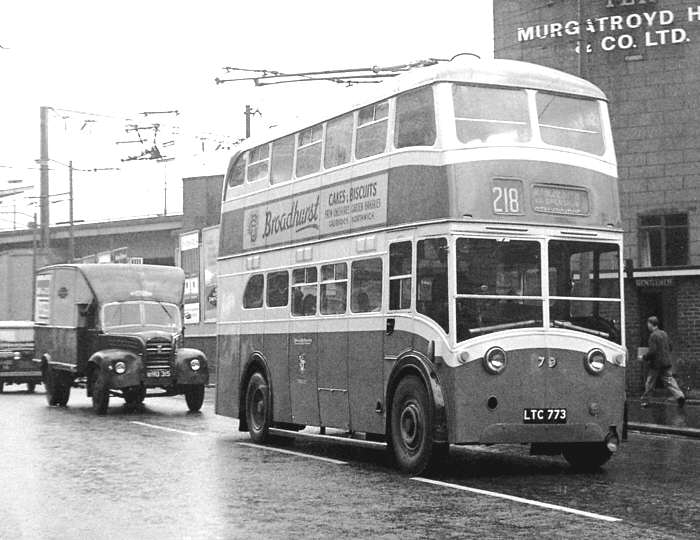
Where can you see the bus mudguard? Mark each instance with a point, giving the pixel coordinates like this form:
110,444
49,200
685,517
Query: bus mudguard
104,362
416,363
256,362
191,367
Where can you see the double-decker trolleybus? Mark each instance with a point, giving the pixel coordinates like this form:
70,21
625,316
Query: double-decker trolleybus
439,265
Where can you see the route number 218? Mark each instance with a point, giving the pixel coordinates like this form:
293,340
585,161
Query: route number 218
506,199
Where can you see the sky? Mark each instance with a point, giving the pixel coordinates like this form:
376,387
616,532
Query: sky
115,60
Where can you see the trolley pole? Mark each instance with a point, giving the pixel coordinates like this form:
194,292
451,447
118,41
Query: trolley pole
44,175
71,234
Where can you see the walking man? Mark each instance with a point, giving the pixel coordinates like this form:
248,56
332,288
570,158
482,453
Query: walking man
659,359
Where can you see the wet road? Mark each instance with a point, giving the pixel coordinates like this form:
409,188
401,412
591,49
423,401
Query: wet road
163,473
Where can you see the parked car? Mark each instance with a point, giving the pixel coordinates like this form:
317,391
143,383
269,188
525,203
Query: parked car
17,353
119,329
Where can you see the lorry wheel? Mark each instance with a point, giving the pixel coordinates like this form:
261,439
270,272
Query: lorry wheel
257,408
411,426
31,387
194,396
100,394
57,388
586,456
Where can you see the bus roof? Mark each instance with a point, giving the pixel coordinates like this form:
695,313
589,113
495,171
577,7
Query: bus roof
122,282
464,69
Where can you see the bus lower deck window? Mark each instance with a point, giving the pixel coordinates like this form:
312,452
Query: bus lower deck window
277,289
334,288
431,284
253,295
304,291
400,270
366,286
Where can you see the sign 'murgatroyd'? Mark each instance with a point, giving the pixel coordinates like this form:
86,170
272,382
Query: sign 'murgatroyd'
625,31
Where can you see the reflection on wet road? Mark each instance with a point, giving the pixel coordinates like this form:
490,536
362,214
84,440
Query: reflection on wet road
161,472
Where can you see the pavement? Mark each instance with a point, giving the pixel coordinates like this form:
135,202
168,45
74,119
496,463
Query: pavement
161,472
663,415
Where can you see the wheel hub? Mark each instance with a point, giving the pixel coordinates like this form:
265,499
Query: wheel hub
411,423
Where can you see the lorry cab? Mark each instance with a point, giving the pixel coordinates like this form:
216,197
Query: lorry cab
16,355
118,329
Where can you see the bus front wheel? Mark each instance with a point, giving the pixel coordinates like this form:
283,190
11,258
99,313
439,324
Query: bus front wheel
586,456
257,408
412,426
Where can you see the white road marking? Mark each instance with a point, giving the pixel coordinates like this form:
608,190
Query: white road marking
518,499
163,428
292,453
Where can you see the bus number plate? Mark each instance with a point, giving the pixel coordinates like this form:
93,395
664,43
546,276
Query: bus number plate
158,372
544,416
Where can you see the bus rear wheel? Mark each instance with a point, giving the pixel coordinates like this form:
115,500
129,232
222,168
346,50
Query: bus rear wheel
586,456
412,426
257,408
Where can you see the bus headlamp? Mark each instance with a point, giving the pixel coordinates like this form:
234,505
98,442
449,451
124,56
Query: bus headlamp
463,357
495,360
195,364
594,362
119,368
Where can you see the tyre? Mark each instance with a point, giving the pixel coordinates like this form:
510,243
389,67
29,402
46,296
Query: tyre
100,394
412,426
57,387
257,408
134,396
586,456
194,396
31,387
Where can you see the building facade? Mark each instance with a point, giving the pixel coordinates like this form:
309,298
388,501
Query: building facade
645,55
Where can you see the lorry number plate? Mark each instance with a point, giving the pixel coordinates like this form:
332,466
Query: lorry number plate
158,372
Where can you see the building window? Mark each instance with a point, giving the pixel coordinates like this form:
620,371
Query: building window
664,240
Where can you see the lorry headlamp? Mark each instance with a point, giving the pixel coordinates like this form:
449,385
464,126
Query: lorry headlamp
195,364
119,368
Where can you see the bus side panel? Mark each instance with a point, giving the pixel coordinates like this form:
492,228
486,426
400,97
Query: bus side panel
303,371
417,193
333,379
227,375
366,386
276,354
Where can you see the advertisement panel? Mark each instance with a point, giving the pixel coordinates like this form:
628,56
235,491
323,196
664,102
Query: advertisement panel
189,261
42,306
210,250
336,209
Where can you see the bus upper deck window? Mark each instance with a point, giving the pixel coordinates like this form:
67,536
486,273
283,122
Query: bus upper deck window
258,162
415,118
487,115
282,160
338,141
370,138
570,122
309,150
236,172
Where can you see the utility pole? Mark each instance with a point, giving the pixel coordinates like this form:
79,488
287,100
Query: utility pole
248,113
44,175
71,235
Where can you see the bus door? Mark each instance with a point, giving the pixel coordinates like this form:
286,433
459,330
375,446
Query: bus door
303,346
398,330
333,347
